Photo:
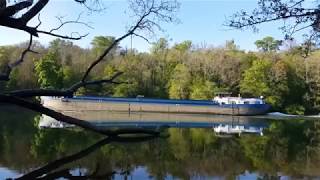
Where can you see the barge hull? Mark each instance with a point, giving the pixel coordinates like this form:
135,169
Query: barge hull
160,106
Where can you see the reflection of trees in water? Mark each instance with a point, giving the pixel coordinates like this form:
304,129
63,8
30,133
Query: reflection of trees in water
50,144
203,153
290,147
16,133
45,172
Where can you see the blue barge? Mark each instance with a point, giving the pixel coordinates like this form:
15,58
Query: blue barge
219,105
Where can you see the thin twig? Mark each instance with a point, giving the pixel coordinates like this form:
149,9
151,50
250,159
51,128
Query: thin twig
62,36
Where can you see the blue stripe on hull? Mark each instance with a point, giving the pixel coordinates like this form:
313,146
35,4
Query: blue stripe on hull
145,100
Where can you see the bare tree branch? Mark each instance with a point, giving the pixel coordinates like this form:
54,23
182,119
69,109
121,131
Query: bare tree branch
63,93
291,12
21,23
18,24
250,21
5,75
297,3
40,22
92,5
62,23
34,10
62,36
148,14
20,60
67,119
11,10
100,58
144,38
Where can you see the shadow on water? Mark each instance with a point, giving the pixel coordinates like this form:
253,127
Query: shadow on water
195,147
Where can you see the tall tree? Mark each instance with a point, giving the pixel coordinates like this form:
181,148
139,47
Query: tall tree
256,79
160,47
49,72
268,44
203,90
99,43
183,46
180,82
4,58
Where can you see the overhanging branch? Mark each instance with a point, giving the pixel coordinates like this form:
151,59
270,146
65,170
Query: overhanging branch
291,12
107,51
5,76
62,36
34,11
11,10
67,119
63,93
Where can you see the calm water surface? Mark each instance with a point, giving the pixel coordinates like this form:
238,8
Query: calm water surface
190,147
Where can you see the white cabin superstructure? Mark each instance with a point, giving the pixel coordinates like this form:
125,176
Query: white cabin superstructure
237,100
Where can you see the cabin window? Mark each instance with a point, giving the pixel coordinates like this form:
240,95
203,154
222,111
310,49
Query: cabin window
246,102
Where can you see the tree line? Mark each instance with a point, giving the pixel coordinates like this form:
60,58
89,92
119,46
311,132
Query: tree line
286,78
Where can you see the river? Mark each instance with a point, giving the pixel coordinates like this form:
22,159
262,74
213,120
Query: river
190,147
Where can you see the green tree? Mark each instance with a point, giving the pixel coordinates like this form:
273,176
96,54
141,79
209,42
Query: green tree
184,46
255,81
100,43
278,83
160,47
49,72
14,78
69,76
180,82
203,90
268,44
231,45
4,58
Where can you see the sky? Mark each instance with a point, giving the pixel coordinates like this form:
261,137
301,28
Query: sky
201,21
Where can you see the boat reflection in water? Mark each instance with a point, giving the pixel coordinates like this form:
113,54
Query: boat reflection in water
237,129
49,122
223,126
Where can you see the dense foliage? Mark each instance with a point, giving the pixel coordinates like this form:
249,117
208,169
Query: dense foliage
287,80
